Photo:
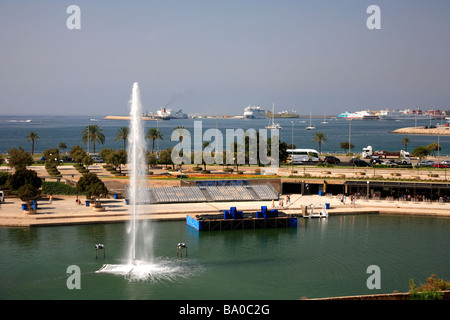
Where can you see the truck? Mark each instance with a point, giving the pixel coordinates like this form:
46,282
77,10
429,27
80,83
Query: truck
403,156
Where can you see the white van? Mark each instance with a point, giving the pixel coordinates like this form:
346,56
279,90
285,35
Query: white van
298,156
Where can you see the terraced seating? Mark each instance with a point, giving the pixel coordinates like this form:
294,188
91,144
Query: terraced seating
213,193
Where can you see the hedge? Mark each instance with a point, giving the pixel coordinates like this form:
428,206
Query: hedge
58,188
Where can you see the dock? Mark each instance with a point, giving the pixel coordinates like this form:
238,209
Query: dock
237,220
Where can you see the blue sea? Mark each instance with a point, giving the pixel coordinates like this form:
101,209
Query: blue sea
53,130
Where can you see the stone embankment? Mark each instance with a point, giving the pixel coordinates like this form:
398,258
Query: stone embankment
443,131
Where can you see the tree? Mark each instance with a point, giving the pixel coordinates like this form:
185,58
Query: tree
151,159
52,157
122,134
77,153
87,161
166,157
421,152
91,185
33,137
344,145
62,146
321,138
432,147
19,158
28,192
93,133
154,134
118,158
406,140
21,177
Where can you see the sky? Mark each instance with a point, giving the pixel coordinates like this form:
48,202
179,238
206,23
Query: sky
218,56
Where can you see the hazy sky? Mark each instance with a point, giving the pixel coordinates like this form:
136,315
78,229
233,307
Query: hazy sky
218,56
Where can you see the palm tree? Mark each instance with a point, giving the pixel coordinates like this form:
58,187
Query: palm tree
406,140
153,134
93,133
33,137
122,134
62,145
321,138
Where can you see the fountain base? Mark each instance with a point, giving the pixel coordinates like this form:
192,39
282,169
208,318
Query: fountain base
150,271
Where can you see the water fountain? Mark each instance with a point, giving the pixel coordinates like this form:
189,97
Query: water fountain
140,263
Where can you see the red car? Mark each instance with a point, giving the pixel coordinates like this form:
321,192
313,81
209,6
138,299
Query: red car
441,165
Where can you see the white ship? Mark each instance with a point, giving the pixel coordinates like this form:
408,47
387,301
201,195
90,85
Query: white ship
166,114
360,115
405,114
254,112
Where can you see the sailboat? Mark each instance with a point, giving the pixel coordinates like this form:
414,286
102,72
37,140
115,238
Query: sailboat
324,119
311,127
273,125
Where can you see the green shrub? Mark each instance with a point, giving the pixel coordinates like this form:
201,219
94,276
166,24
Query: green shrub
58,188
431,290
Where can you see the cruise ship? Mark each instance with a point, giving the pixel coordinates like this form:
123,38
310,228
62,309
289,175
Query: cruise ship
359,115
405,114
254,112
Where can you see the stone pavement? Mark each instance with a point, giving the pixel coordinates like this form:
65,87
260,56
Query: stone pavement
64,211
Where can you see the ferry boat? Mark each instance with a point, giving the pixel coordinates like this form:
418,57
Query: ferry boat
166,114
162,114
359,115
254,112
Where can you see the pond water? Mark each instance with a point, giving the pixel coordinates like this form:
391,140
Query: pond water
319,258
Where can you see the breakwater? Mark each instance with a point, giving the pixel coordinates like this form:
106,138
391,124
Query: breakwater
444,131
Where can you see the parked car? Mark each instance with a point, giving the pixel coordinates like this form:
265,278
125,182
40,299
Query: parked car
390,163
97,159
376,160
426,163
66,159
358,163
331,160
446,162
441,165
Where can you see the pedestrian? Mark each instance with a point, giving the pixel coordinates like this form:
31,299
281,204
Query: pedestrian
273,203
342,199
50,199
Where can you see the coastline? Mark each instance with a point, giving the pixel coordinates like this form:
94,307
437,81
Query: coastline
127,118
444,131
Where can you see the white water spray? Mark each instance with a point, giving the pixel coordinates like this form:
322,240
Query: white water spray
140,264
137,171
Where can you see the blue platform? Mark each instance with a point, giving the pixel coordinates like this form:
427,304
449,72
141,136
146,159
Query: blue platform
233,220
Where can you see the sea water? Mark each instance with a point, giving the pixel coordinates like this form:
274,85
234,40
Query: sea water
53,130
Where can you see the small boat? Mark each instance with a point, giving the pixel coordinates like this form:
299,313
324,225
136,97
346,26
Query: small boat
311,127
322,213
273,125
324,119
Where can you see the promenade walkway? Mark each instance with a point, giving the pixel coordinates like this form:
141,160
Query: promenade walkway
64,211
